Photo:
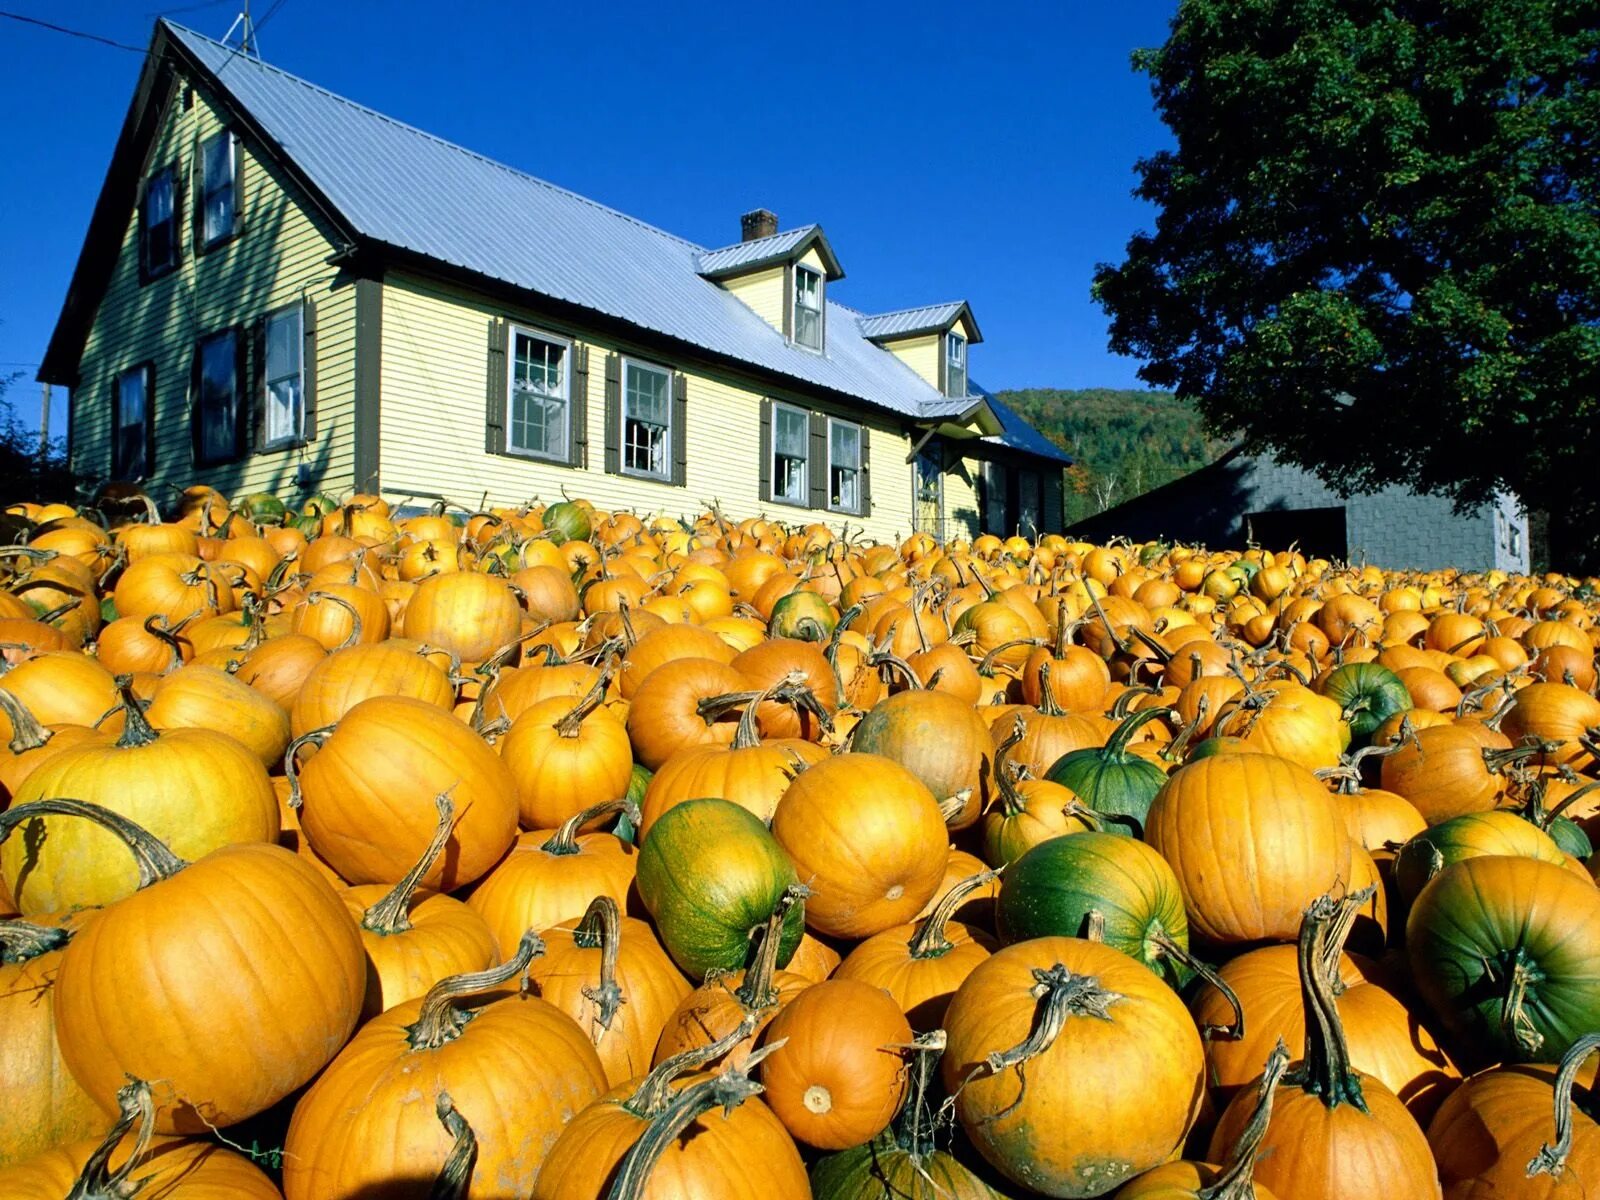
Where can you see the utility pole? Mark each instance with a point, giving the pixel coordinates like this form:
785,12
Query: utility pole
44,424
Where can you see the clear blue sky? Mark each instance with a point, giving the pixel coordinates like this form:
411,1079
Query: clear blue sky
974,150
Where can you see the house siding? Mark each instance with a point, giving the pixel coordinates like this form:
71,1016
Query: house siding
278,256
921,354
434,367
763,293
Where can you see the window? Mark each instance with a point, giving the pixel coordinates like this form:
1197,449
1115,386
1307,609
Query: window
217,399
646,415
284,376
1030,502
219,167
791,440
844,466
134,392
158,224
808,308
539,397
955,364
995,516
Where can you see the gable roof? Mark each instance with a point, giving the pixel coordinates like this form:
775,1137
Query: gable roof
762,252
1017,434
912,322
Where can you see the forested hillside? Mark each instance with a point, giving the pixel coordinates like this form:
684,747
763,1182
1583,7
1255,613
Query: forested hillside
1125,441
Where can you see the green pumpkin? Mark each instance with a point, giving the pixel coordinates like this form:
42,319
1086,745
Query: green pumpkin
1052,890
1367,695
1504,950
1222,744
1117,785
803,615
709,873
1471,835
263,508
319,505
567,522
1569,835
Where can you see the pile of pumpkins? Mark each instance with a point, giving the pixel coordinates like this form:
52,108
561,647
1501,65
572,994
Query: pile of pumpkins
548,851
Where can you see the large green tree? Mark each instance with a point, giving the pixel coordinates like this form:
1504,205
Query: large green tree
1377,250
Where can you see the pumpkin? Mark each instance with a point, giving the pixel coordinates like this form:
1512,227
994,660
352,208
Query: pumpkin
1446,771
1117,785
610,975
1289,721
467,613
1334,1132
683,703
1470,836
867,837
567,757
278,668
202,697
229,981
1367,694
550,876
1073,1067
1026,811
194,789
835,1077
801,666
1502,949
367,794
32,744
174,586
1253,839
939,739
61,687
337,682
515,1066
412,942
710,873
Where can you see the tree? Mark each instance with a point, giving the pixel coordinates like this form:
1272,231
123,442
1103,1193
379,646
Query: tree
1377,251
28,473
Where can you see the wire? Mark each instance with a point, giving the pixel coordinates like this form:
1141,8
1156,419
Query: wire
187,8
77,33
255,30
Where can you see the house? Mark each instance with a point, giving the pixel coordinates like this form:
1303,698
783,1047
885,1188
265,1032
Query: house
1242,499
282,290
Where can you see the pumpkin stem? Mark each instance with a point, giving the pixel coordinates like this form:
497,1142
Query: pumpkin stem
986,663
154,860
392,914
1048,704
756,993
22,940
1123,647
1161,653
1060,995
1325,1071
156,626
1552,1160
602,927
888,658
26,732
136,729
440,1021
1179,954
1115,750
1235,1182
1123,705
456,1174
291,760
729,1090
914,1131
791,689
565,839
928,940
1567,802
354,637
746,736
134,1103
571,724
655,1090
1515,1025
1011,802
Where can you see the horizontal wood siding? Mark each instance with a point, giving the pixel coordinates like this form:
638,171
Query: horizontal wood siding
435,379
961,497
278,256
921,354
763,292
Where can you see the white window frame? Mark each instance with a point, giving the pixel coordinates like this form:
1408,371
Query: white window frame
145,373
208,238
565,396
859,468
804,499
665,474
955,346
274,440
822,283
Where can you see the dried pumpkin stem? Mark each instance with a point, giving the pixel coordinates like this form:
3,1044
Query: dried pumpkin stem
570,725
889,659
1060,995
440,1021
150,854
353,638
1179,954
1049,706
291,760
156,626
1235,1182
26,732
601,928
565,838
756,992
1116,747
1326,1071
986,663
1124,703
97,1181
914,1131
22,940
655,1091
928,940
391,915
1552,1159
136,729
456,1175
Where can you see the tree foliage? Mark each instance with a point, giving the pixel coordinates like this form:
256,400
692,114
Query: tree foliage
27,473
1377,250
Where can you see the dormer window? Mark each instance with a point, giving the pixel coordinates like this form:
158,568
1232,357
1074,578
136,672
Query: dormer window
808,308
955,364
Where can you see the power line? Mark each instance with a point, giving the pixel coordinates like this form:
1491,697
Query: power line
255,29
77,33
187,8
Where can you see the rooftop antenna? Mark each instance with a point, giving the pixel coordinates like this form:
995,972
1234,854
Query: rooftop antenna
247,33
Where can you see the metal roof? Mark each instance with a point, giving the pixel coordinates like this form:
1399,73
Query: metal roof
398,186
780,247
909,322
1019,435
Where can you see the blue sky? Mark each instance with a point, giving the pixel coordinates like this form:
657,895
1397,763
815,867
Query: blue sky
978,151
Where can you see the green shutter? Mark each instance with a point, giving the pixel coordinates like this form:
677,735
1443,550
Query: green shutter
817,461
679,430
495,401
613,414
766,451
865,485
578,408
308,368
256,389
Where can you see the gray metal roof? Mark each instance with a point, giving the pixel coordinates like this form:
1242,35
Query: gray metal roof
909,322
780,247
401,187
1019,435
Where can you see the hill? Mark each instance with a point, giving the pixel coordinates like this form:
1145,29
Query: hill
1125,441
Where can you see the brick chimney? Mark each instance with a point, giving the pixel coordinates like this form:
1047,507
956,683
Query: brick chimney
758,224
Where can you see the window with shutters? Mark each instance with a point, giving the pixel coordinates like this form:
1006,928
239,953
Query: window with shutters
646,420
134,394
844,466
808,308
219,168
791,443
216,400
283,377
158,223
539,406
955,364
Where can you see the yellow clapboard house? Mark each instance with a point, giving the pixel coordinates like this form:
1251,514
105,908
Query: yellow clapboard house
284,291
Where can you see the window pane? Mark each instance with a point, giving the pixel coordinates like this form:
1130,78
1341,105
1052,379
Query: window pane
845,447
284,382
791,433
130,399
218,364
647,395
217,156
809,288
158,199
160,240
843,491
808,328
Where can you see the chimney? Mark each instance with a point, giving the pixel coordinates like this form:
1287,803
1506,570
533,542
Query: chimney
758,224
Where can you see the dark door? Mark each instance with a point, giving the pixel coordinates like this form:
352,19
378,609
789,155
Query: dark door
1316,532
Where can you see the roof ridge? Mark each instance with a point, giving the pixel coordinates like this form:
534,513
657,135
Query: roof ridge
911,308
442,141
771,237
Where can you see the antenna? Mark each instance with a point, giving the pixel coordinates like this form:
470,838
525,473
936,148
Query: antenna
247,33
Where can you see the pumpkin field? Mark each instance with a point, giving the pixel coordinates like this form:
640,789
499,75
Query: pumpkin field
351,853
